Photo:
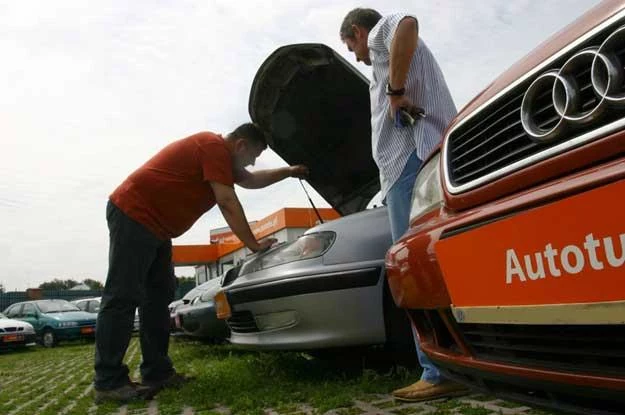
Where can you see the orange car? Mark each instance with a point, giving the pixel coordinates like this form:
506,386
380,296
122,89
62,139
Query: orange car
513,267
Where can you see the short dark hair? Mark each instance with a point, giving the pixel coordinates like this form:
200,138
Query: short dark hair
366,18
250,132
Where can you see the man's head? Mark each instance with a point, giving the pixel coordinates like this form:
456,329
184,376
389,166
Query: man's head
247,141
355,32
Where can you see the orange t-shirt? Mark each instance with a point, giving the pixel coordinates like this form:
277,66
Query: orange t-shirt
172,190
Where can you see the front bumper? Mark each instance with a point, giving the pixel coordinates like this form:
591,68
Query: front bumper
201,321
505,325
12,339
79,332
311,312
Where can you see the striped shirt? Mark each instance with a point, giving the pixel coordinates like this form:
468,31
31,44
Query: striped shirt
425,87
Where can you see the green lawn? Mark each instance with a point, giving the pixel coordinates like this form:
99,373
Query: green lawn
58,381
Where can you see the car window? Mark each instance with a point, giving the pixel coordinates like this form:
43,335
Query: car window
14,311
29,310
94,306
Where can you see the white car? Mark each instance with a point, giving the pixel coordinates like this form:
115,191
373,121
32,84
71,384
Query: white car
92,305
15,333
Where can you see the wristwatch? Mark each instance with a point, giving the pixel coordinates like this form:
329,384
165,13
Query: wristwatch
395,92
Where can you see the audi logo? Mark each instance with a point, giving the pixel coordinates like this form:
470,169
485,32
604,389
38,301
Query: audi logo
569,96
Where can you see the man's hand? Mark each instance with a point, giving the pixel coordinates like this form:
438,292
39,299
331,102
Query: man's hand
299,171
397,102
265,244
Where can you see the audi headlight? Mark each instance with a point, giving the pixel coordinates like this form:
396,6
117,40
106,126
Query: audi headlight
305,247
427,193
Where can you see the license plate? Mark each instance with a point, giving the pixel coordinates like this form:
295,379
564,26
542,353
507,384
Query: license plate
222,307
87,330
13,338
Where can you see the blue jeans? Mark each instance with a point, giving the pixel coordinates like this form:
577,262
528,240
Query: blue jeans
398,201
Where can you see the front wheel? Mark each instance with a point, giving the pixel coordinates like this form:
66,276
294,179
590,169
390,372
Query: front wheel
49,338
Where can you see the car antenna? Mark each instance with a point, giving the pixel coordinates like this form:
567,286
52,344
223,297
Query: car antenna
310,200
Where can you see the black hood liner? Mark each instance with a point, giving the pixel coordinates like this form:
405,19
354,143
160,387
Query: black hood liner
314,108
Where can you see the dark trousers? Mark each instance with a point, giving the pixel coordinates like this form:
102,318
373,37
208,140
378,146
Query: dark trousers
140,275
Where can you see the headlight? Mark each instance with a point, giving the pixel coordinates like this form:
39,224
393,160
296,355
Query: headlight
305,247
207,297
427,193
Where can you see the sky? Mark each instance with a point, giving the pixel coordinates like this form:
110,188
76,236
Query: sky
90,90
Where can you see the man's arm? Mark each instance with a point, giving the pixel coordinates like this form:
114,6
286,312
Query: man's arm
402,49
232,211
264,178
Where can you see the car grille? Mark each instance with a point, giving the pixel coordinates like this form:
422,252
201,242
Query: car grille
596,349
523,126
11,329
243,322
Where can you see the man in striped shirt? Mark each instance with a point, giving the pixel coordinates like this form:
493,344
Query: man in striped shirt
405,76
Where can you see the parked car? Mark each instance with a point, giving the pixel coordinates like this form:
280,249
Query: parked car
326,289
191,296
15,333
92,305
89,305
513,266
199,319
54,320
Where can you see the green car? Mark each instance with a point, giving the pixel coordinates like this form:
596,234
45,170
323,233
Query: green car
54,320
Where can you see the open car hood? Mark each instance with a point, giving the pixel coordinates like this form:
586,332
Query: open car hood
314,109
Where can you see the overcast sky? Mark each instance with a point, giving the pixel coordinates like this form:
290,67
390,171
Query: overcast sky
91,90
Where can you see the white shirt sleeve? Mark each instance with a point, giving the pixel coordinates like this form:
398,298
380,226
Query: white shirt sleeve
382,35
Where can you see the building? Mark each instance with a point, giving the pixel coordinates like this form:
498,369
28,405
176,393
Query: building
225,250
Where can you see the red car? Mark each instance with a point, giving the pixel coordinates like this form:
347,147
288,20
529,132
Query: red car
513,267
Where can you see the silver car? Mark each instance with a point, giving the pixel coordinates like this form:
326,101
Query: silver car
92,305
328,288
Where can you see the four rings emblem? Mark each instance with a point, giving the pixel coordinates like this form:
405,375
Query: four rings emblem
569,97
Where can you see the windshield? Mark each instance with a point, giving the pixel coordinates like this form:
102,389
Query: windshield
56,306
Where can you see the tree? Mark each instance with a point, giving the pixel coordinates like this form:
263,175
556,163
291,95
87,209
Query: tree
93,284
184,280
56,284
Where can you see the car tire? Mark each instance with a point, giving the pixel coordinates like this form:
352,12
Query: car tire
399,339
48,338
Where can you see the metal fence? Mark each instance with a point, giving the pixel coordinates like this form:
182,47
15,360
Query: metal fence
12,297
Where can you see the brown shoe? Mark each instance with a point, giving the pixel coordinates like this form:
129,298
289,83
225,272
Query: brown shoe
129,392
175,380
425,391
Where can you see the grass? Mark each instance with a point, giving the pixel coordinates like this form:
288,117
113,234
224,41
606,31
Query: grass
58,381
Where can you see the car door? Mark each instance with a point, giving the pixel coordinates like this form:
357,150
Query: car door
30,314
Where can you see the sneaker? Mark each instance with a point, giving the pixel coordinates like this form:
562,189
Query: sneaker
175,381
129,392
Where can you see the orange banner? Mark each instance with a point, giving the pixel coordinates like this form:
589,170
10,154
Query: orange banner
570,251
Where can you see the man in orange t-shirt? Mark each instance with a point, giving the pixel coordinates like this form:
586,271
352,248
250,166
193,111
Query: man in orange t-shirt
159,201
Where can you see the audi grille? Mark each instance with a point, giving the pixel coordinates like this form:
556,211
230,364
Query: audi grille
576,96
